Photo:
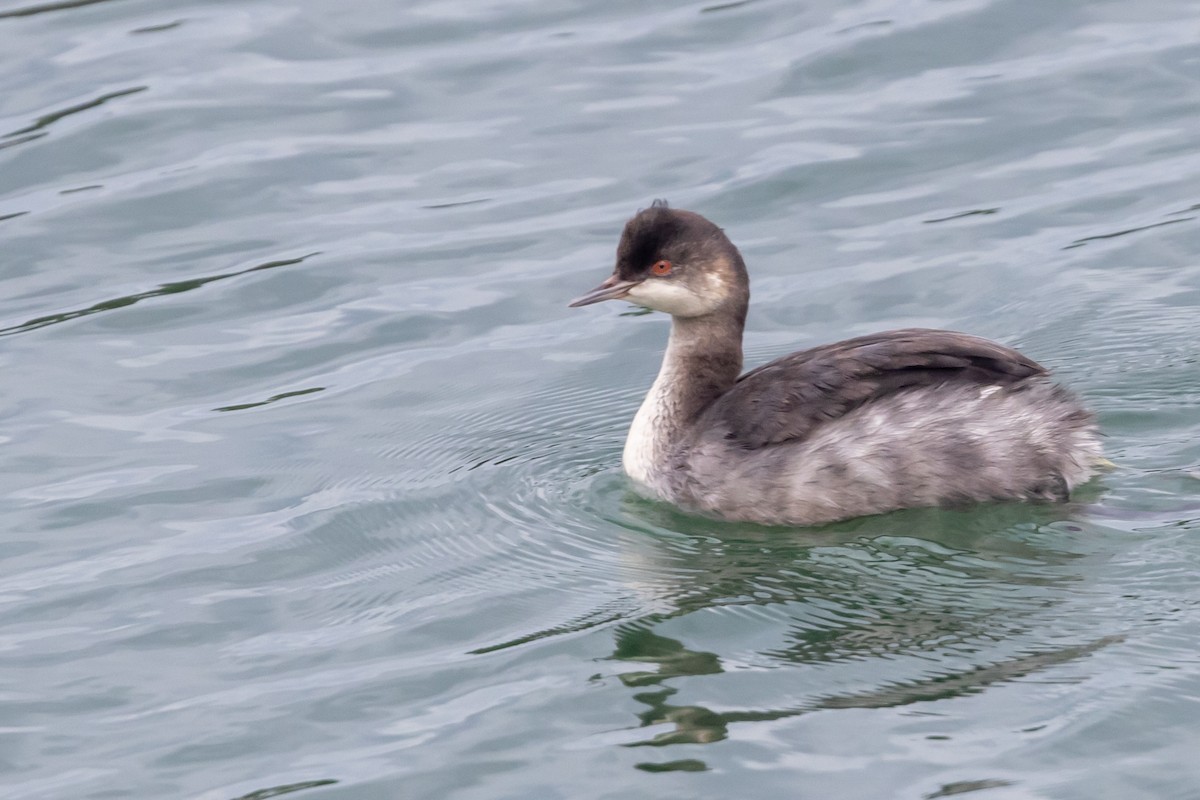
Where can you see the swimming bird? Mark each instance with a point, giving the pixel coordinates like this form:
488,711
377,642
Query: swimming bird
899,419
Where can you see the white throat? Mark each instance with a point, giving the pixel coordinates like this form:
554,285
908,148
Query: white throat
656,422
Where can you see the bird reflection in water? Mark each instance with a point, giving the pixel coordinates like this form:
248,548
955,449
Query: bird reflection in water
969,593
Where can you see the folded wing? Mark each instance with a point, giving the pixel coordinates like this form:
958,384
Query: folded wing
787,398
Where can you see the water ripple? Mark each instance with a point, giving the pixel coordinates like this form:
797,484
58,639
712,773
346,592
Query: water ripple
175,287
46,120
43,8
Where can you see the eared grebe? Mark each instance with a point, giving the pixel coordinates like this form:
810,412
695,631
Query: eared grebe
899,419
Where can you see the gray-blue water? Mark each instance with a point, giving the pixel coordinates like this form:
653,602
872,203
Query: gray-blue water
310,481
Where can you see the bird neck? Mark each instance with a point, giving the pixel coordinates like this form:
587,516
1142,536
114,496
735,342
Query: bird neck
702,361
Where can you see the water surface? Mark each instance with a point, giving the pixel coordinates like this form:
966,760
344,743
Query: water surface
311,482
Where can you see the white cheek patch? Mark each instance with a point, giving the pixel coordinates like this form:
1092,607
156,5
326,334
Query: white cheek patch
673,298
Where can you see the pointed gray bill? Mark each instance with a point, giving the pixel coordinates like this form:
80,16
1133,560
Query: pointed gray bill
611,289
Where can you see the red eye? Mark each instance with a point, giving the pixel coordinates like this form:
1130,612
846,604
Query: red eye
661,267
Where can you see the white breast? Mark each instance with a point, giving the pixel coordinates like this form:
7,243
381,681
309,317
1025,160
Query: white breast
646,445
